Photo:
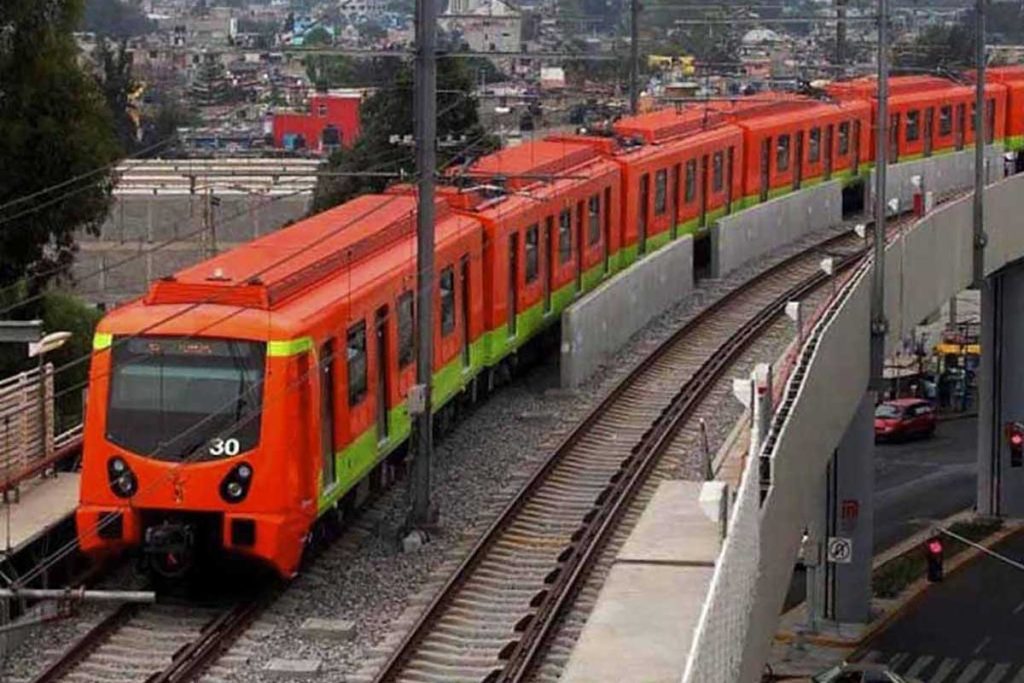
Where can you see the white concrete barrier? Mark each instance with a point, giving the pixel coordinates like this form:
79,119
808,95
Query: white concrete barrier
749,234
599,324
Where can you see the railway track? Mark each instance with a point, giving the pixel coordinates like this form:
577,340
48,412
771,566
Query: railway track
497,615
152,644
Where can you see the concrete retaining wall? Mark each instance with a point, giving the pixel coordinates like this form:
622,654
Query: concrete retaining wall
750,234
941,174
598,325
140,223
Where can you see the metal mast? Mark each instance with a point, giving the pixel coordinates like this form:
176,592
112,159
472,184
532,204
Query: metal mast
879,323
421,509
980,138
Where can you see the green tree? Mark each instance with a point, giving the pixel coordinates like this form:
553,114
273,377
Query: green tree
56,127
390,112
117,84
938,47
115,18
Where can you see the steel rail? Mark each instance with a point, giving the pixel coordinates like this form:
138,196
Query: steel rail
434,611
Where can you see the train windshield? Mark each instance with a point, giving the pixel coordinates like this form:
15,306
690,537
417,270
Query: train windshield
176,398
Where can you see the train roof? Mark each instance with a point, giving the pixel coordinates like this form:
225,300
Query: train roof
1006,74
867,86
268,271
669,124
535,159
811,109
324,257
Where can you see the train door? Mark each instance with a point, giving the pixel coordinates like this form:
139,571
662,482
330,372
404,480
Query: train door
549,262
798,159
645,200
328,467
580,244
829,133
729,170
704,171
766,167
464,275
894,138
675,200
856,147
513,282
961,125
607,227
381,332
929,127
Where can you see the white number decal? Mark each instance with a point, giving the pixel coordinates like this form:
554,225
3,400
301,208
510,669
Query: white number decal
227,447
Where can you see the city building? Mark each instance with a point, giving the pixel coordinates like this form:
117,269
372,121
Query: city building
331,122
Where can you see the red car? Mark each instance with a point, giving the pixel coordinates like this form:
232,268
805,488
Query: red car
904,418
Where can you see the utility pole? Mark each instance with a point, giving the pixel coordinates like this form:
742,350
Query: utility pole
980,138
634,56
421,509
840,32
879,323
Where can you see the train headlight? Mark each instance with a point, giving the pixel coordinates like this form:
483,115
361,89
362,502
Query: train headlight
235,486
121,478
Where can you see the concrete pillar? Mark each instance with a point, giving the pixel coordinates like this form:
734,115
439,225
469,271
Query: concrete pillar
1000,391
841,592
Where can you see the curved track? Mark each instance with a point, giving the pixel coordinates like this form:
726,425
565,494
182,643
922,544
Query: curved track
497,614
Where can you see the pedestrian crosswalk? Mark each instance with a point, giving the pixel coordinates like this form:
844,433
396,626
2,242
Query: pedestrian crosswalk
929,668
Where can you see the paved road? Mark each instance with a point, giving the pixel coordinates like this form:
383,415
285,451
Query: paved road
969,629
921,480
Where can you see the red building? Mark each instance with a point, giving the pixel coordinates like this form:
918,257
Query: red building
331,122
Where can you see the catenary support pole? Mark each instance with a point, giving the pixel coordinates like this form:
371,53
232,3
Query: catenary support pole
879,323
634,56
979,143
421,508
840,32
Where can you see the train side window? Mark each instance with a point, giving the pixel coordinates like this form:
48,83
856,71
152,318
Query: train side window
913,125
691,180
814,146
564,236
447,301
782,153
660,192
355,342
946,120
844,138
405,329
532,252
594,216
718,172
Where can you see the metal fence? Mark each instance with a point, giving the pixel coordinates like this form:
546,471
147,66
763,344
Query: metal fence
26,421
717,649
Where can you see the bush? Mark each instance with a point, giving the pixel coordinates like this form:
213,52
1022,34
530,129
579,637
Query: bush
892,578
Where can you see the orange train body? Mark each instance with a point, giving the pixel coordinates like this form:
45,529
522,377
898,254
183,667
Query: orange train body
245,398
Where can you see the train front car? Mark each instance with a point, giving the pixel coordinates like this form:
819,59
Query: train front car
179,450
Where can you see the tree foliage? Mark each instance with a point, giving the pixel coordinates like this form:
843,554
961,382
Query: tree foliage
115,18
56,127
117,84
389,112
950,47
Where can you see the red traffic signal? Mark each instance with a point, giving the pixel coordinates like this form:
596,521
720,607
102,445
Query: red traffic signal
1015,439
933,553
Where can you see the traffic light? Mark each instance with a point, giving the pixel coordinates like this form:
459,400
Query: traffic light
933,552
1015,438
